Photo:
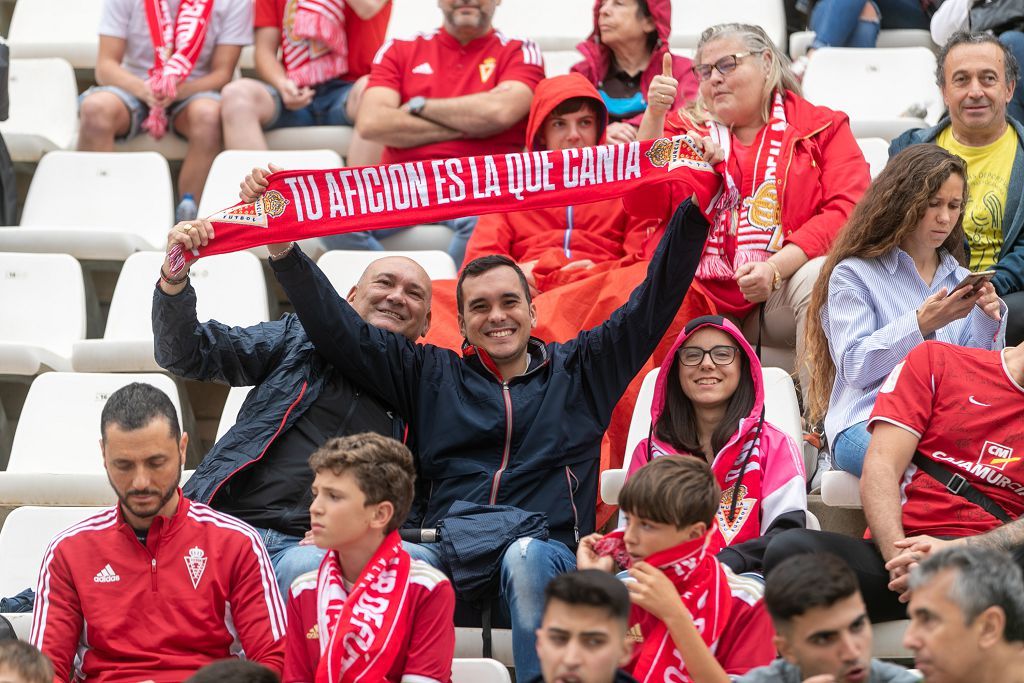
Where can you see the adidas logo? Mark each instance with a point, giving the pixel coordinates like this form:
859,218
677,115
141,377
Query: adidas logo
424,69
313,633
106,575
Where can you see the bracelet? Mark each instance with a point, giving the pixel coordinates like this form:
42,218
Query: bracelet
280,254
172,282
777,279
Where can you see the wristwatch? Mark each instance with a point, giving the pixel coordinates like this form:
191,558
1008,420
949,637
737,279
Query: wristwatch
415,105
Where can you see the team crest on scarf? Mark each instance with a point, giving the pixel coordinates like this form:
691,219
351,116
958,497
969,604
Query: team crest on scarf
269,205
679,151
196,563
744,505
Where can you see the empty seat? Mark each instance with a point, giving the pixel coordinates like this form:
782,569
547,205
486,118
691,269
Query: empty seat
876,151
43,312
559,62
691,17
892,37
343,268
56,28
334,138
228,416
840,489
95,205
230,288
884,91
479,671
44,108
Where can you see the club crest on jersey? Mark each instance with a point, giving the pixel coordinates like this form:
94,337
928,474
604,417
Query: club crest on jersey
269,205
487,69
196,563
743,507
679,151
996,455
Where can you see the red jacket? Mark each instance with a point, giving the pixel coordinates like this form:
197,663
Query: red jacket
597,58
202,588
600,231
822,175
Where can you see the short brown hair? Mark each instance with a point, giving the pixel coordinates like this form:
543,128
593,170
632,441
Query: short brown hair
383,469
672,489
26,661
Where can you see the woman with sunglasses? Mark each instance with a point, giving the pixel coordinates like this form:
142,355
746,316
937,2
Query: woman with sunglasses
890,282
793,174
709,403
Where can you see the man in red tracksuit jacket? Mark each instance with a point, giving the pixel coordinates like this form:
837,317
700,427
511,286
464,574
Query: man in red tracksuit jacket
157,586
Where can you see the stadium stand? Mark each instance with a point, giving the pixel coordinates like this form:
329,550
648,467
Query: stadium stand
343,268
41,119
876,152
236,396
891,37
56,28
479,671
691,17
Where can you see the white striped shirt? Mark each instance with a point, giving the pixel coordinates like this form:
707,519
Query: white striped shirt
870,321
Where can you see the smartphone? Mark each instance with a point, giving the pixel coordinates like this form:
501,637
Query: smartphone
974,281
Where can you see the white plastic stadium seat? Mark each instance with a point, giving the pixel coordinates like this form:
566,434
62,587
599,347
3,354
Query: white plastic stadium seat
559,62
95,205
840,489
334,138
639,426
890,37
884,91
230,288
691,17
876,151
343,268
55,457
56,28
229,415
469,645
479,671
43,114
43,312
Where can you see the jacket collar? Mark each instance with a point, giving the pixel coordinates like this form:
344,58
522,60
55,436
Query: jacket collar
449,41
162,527
536,350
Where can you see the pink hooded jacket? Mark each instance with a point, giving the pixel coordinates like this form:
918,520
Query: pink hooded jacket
772,493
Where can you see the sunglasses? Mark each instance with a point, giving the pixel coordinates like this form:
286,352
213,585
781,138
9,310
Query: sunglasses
726,65
694,355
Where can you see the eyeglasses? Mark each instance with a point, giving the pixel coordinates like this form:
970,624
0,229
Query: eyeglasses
726,65
694,355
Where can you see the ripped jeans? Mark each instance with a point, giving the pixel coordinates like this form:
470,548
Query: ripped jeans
526,569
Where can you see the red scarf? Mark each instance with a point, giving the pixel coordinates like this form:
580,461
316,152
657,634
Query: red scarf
302,204
704,590
749,224
313,41
367,628
176,45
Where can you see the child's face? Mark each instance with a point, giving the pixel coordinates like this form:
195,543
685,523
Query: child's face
570,131
339,514
644,537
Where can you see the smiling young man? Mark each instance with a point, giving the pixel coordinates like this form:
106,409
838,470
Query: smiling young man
371,613
157,586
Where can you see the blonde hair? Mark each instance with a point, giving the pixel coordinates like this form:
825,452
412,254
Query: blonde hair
779,77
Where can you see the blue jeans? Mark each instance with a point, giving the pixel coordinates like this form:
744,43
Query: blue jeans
1015,41
290,559
462,229
850,446
326,109
837,23
526,569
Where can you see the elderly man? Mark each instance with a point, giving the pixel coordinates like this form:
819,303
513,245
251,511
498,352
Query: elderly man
259,471
978,75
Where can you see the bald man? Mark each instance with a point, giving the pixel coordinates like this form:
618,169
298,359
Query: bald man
259,471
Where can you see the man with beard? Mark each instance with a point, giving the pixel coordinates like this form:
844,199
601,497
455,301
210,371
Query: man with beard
157,586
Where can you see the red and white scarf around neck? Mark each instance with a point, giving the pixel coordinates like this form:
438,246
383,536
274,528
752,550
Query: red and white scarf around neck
749,222
704,590
362,632
314,44
177,43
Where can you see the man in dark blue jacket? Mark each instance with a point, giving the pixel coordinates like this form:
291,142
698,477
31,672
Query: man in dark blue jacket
513,421
259,471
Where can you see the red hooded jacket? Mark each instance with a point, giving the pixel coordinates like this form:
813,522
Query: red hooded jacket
601,231
597,58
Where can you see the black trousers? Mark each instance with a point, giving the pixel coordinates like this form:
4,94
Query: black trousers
1014,318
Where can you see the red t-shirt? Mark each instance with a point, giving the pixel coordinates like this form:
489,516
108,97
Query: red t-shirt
430,643
437,65
969,415
365,36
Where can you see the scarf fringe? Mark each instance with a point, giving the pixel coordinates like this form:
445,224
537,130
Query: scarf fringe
714,267
318,70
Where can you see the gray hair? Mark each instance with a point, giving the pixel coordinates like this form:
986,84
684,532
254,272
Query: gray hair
780,76
1011,69
984,578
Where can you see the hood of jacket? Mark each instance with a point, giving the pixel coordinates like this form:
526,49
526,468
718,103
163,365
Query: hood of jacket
666,374
550,93
600,56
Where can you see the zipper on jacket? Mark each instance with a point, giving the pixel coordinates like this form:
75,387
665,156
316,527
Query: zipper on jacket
508,441
569,478
568,231
152,573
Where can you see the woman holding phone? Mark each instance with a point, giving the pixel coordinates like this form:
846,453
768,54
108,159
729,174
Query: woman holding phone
894,279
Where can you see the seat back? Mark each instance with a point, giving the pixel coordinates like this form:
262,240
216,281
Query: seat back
59,429
25,535
876,151
343,268
640,423
56,28
43,299
228,416
691,17
479,671
41,119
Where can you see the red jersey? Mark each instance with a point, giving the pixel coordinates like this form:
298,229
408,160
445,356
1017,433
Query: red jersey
364,36
431,640
202,588
437,65
968,413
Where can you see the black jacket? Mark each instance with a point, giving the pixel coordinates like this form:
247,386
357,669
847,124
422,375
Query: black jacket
620,677
277,357
549,459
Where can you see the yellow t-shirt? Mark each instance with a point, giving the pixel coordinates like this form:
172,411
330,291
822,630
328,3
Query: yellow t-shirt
988,177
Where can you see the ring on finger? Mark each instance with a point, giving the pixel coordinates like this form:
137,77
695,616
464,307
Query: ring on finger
188,228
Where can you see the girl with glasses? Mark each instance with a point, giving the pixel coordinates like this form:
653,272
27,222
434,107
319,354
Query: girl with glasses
709,404
792,176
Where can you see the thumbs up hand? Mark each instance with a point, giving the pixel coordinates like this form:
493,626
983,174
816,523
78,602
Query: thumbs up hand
662,93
